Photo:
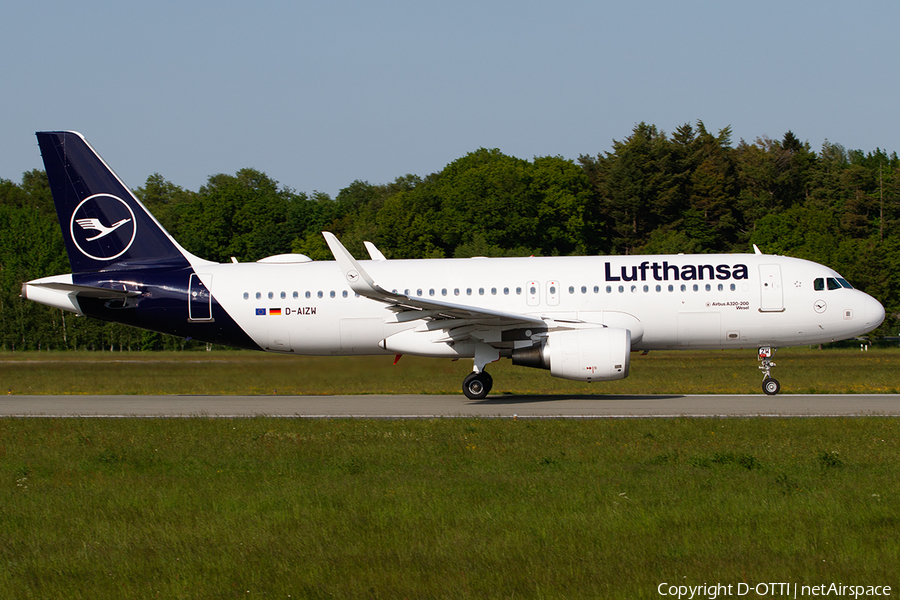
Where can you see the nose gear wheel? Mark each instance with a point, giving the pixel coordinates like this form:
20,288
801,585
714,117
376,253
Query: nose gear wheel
770,385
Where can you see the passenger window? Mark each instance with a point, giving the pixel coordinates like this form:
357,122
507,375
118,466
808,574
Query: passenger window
331,294
819,284
246,296
308,294
258,295
283,295
583,289
296,295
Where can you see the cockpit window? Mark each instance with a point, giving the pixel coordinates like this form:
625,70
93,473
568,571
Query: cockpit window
833,283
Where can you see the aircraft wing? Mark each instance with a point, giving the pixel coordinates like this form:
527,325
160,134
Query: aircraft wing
363,284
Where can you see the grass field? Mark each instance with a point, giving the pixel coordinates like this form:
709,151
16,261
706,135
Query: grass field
447,508
451,508
800,370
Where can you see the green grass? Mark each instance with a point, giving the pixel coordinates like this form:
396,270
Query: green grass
800,370
451,508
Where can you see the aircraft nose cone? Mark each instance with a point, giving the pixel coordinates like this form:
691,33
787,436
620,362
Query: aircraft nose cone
874,312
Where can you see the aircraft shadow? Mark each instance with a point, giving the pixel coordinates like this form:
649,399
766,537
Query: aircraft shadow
526,399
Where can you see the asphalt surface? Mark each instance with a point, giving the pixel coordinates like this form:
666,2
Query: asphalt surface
418,406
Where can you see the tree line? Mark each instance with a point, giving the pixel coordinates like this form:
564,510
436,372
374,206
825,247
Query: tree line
691,191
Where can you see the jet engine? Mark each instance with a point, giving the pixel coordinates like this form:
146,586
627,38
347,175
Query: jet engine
600,354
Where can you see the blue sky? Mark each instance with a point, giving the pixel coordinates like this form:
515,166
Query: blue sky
318,94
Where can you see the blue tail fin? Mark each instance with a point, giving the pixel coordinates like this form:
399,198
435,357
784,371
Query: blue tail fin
103,224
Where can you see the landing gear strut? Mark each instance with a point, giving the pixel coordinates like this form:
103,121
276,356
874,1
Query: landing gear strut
770,385
477,385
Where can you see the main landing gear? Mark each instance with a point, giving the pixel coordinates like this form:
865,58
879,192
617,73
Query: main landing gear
476,386
770,385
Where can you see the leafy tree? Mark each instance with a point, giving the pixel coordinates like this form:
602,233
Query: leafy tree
165,199
692,191
242,216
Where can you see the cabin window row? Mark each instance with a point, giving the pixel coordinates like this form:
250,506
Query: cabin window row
658,288
506,291
296,295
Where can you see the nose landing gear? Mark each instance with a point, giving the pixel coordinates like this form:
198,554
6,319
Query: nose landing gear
770,385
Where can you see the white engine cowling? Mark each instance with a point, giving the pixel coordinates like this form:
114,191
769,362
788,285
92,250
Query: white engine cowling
601,354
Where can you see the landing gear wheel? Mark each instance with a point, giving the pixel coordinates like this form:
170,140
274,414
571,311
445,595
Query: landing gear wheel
477,386
769,385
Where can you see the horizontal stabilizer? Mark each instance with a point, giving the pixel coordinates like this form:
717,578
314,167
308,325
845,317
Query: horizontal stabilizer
85,291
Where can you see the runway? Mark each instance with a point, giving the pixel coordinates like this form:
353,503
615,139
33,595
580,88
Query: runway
423,406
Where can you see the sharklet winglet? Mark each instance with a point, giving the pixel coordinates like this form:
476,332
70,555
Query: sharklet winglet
357,277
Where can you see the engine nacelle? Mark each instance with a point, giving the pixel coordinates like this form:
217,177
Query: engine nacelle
601,354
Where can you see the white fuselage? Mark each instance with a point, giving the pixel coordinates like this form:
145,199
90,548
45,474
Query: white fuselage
667,302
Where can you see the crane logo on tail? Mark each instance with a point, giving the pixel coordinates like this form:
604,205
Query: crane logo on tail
103,227
96,224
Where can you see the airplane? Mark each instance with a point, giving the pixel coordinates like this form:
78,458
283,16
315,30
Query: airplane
579,317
